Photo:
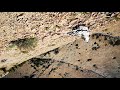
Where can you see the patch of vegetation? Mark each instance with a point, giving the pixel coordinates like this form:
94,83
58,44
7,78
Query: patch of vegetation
66,74
59,64
82,36
22,63
56,51
38,61
97,35
111,40
25,44
3,69
114,41
12,46
112,15
105,30
53,69
95,46
12,69
76,67
95,66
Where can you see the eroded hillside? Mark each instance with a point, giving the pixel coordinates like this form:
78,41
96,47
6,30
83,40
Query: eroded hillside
58,54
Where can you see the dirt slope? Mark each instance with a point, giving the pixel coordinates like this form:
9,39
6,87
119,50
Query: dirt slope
97,59
49,29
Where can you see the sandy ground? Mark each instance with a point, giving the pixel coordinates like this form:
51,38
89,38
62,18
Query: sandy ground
49,28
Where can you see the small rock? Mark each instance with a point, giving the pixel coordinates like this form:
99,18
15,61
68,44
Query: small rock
113,57
89,59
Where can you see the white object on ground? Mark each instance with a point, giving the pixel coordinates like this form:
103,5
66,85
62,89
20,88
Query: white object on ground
81,31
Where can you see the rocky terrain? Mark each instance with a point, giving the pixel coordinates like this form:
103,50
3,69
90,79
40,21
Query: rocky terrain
35,45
